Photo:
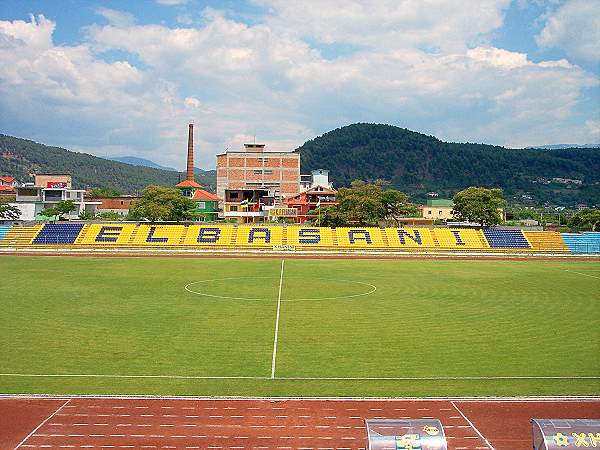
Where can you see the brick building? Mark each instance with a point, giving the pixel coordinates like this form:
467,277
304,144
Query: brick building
253,181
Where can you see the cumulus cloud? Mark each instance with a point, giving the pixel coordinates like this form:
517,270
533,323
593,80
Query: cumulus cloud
435,25
431,69
574,28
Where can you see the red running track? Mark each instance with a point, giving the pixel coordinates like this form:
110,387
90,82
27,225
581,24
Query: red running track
155,423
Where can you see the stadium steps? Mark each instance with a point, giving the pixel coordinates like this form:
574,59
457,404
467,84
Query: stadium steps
284,239
20,236
183,235
82,234
384,239
546,241
481,236
435,239
133,235
233,238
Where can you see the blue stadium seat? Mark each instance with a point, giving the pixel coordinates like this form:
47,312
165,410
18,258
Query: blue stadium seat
58,234
505,238
588,242
3,230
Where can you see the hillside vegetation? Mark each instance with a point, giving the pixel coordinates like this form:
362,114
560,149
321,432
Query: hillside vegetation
22,158
416,164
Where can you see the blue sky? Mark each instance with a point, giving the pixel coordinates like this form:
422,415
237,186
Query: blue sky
124,78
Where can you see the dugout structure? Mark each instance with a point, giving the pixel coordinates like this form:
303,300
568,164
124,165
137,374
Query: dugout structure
552,434
401,434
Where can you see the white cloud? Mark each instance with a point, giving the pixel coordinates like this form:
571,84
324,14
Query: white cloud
574,28
237,80
437,25
171,2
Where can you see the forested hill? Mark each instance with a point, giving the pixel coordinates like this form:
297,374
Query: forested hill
21,158
417,164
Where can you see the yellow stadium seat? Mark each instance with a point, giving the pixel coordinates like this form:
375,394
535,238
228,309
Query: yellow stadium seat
353,237
548,241
409,237
110,234
459,238
310,237
158,235
20,236
209,235
259,236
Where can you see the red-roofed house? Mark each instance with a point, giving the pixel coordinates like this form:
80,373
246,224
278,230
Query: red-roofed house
310,199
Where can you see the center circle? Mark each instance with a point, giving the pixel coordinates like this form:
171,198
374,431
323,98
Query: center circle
309,288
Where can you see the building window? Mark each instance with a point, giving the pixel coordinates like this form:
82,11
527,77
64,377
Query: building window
201,205
440,213
233,208
233,195
429,212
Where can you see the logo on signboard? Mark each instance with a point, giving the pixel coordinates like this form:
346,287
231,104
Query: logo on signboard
431,430
56,184
562,440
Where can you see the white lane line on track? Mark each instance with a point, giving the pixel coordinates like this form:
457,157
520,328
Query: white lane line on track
472,426
274,358
584,274
42,424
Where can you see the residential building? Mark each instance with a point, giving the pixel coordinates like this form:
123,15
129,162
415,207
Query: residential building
119,205
310,200
46,192
319,177
438,209
252,181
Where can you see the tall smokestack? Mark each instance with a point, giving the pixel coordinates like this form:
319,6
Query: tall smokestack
190,155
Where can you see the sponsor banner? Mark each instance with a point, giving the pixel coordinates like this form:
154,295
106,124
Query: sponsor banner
56,184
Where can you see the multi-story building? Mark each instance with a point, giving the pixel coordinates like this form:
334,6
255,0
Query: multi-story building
46,192
252,181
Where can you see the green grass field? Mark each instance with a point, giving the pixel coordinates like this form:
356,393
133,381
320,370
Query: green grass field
129,318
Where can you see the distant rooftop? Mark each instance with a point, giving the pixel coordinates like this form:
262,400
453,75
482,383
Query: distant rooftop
440,202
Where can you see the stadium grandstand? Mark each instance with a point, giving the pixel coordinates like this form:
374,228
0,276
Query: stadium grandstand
300,238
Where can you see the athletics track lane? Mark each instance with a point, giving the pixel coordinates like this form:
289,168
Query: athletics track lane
120,423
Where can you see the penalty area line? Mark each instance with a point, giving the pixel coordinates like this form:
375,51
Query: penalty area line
274,357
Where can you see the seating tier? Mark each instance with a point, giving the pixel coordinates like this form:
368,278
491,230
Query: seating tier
366,237
549,241
58,234
506,239
579,243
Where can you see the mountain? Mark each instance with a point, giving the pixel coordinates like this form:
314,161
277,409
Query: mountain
22,158
416,164
135,161
562,146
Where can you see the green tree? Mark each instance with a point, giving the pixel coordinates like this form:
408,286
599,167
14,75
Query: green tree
396,205
160,203
331,216
586,218
85,215
9,212
361,203
481,205
62,208
367,204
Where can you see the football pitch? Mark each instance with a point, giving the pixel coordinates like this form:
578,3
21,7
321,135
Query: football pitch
299,327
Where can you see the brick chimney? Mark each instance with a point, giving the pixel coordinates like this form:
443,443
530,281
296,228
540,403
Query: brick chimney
190,154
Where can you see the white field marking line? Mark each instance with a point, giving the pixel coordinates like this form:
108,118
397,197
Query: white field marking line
208,377
42,424
472,426
372,287
584,274
274,358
